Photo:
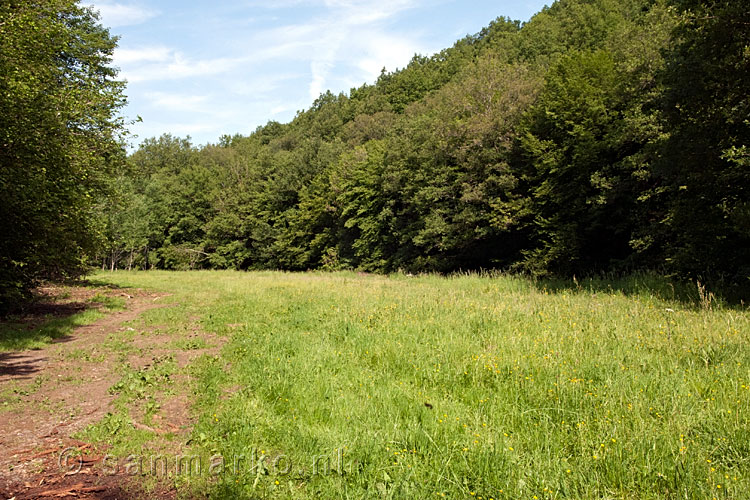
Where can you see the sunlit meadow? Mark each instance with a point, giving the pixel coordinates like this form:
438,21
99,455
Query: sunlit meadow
471,386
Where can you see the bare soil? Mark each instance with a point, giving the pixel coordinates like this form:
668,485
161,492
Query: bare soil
47,395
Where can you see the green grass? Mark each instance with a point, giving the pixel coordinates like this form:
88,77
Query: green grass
463,387
16,334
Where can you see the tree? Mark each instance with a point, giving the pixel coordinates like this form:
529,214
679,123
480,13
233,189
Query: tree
705,172
593,138
590,152
460,143
59,138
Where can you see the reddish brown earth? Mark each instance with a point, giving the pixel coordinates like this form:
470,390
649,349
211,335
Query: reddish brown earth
47,395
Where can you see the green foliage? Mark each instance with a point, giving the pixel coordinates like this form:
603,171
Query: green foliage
580,209
706,107
602,135
60,138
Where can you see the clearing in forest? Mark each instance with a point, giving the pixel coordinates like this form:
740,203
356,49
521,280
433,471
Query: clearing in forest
284,385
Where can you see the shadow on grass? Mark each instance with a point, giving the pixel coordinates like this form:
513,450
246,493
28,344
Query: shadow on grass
93,282
652,286
19,365
47,320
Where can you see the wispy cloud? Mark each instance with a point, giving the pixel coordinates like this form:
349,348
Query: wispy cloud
261,86
385,51
344,31
323,60
120,14
358,12
280,109
161,63
347,30
227,67
179,102
146,54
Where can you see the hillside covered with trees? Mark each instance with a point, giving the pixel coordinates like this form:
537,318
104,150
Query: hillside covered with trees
600,136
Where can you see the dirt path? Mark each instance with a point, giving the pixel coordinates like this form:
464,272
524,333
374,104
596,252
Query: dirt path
48,395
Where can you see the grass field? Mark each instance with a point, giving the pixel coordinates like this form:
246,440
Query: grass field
463,387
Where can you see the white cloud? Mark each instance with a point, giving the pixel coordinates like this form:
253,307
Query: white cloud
179,102
167,64
119,14
281,109
385,51
146,54
384,5
260,85
323,61
349,30
266,71
359,12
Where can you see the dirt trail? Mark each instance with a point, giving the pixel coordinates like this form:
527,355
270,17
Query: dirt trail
49,394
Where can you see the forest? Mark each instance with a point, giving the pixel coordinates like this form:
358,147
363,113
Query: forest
599,137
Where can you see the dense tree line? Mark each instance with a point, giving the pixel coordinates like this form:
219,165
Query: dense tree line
60,139
602,135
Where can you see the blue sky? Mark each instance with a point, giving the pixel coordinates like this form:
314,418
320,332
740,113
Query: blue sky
205,69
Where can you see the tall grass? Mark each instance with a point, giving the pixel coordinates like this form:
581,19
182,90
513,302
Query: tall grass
468,386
